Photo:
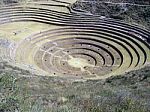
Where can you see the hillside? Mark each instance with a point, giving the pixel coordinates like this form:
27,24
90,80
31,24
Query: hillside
131,11
22,91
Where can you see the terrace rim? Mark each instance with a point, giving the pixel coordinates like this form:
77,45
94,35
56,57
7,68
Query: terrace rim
75,44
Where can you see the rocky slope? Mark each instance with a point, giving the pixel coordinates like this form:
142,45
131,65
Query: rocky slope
134,12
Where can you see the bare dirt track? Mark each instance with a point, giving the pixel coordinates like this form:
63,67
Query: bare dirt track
53,38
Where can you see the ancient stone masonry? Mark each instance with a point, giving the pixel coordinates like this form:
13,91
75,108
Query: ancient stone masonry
59,40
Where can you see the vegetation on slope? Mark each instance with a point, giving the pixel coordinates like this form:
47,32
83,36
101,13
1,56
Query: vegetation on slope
21,91
130,12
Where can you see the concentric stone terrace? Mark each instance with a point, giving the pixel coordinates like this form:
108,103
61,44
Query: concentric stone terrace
57,40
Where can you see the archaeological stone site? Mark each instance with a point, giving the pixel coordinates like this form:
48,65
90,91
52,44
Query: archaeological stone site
53,47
